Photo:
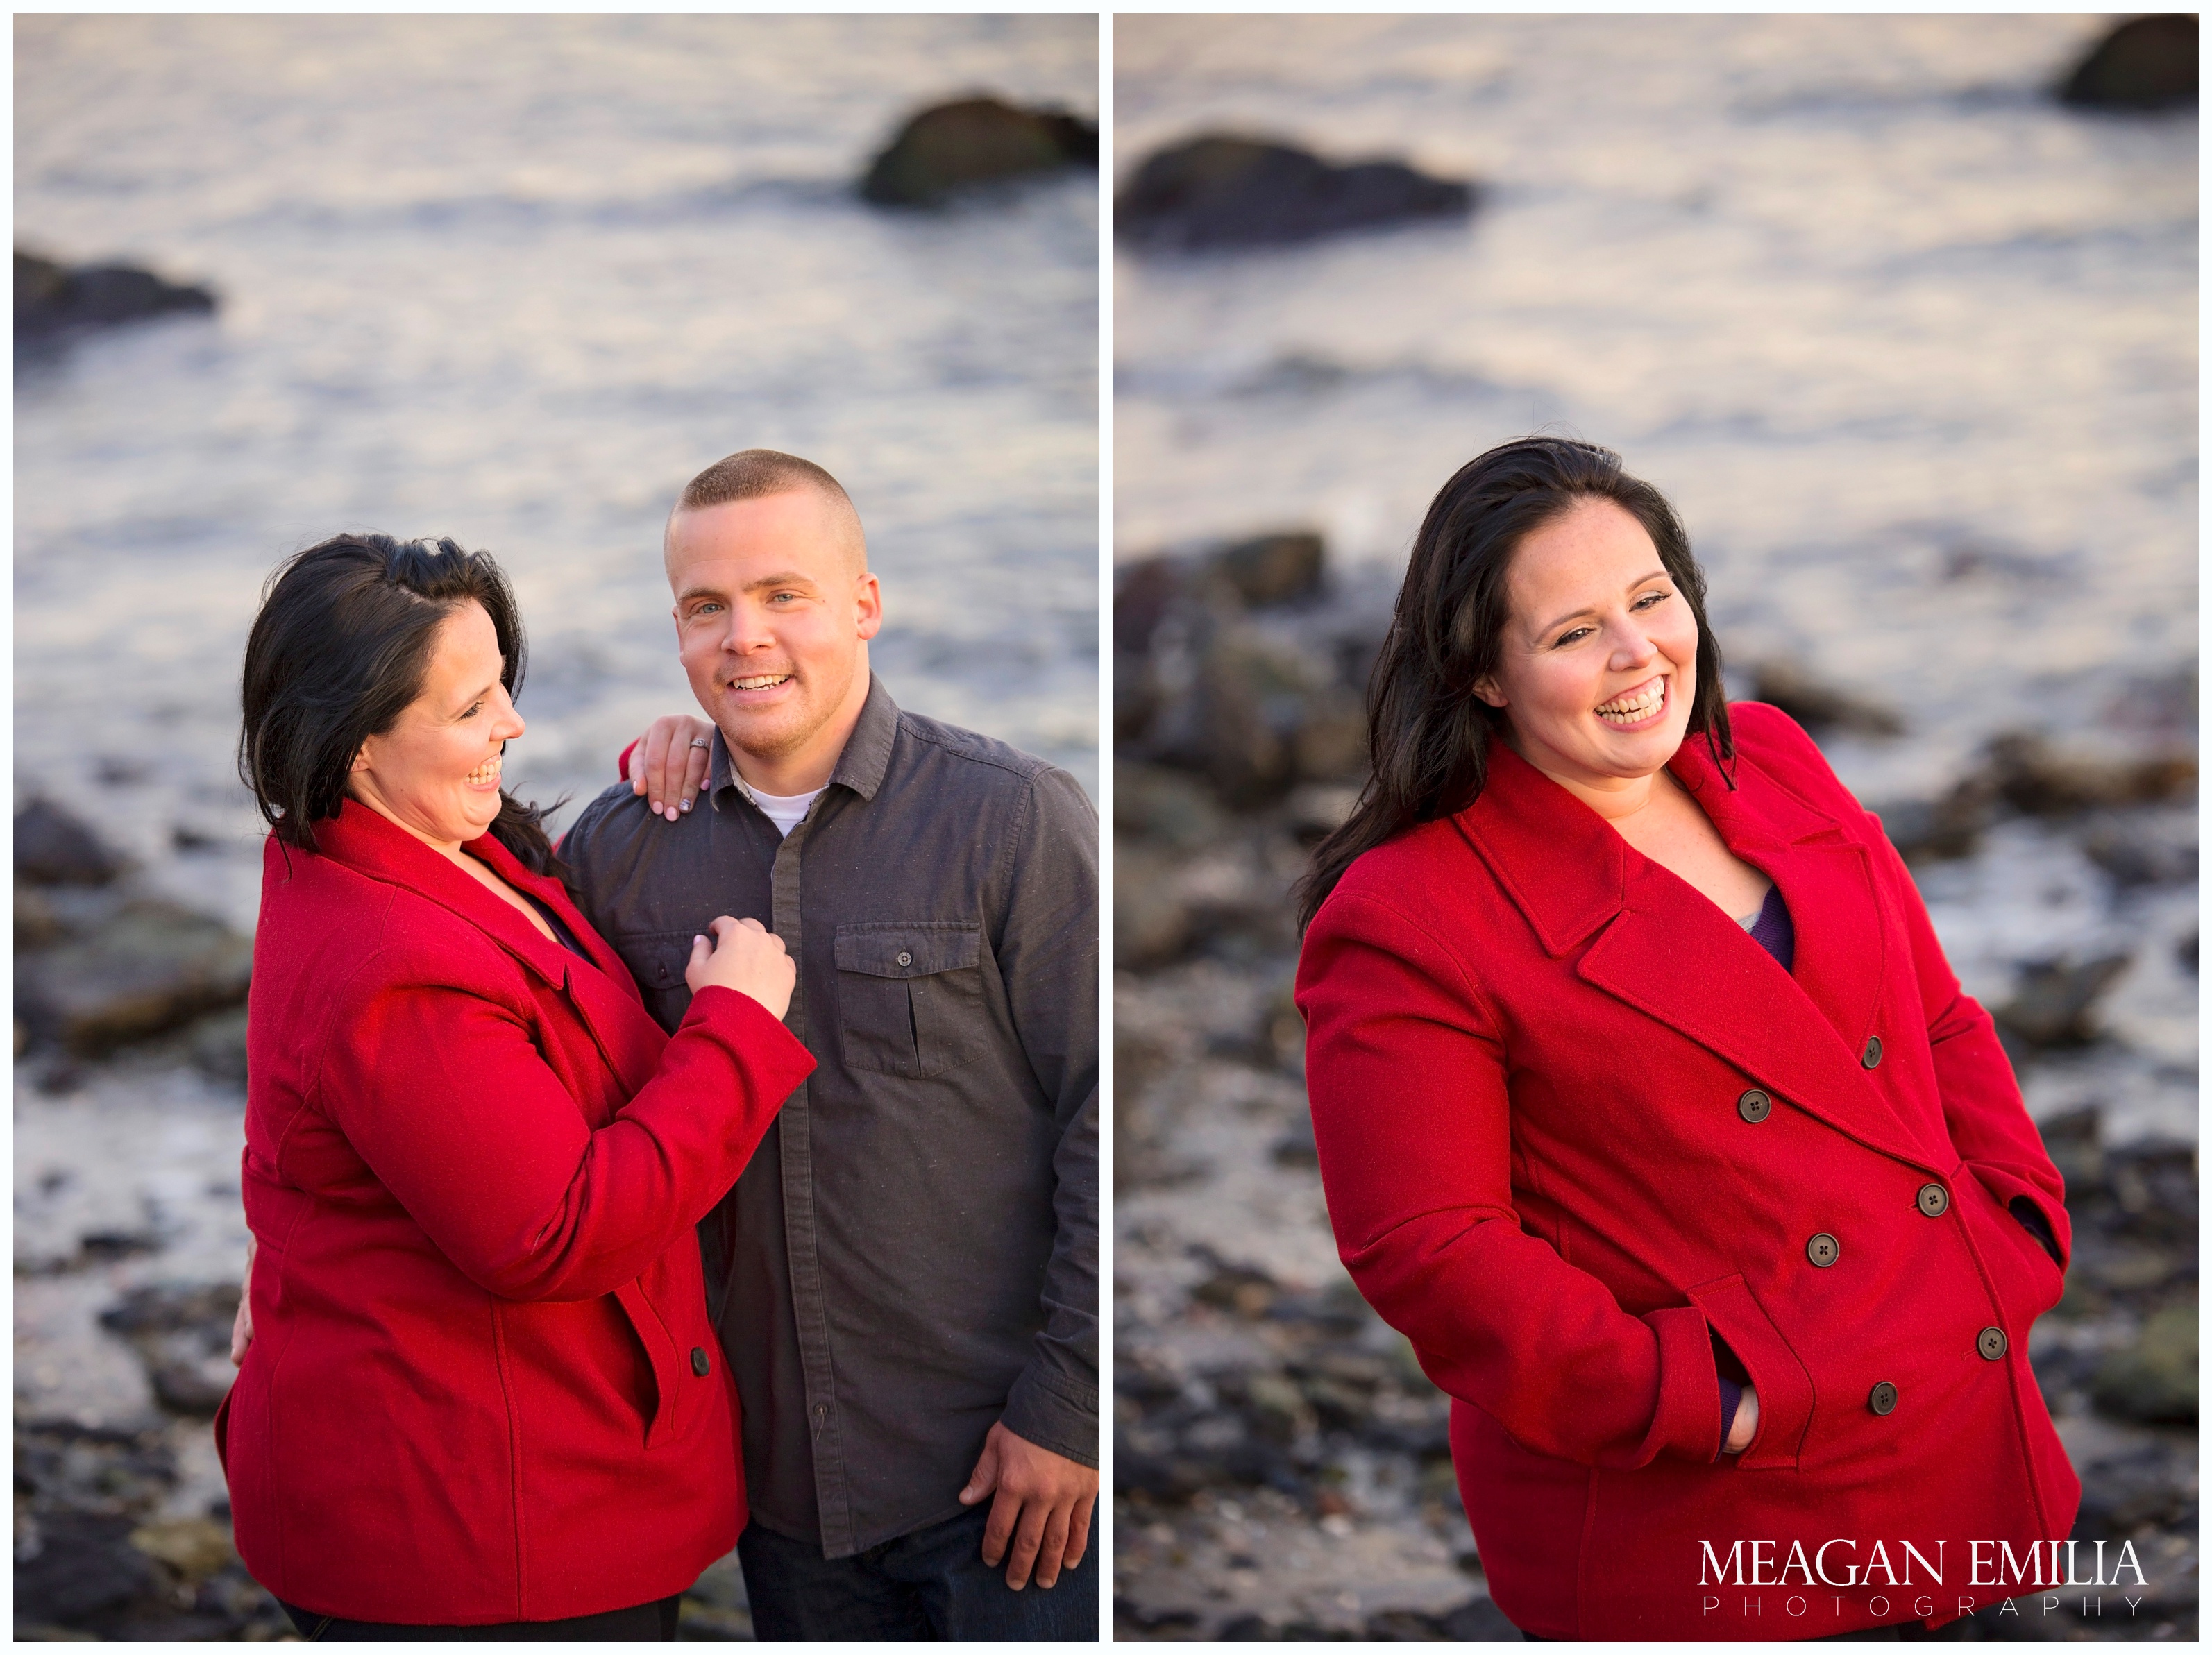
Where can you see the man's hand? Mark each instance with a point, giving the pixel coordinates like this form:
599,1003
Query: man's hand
1043,1503
667,768
241,1325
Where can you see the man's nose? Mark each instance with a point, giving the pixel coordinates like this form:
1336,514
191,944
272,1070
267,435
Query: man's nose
748,630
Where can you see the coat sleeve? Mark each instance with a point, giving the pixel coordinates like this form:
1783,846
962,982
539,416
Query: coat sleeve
1048,955
440,1091
1983,1109
1406,1075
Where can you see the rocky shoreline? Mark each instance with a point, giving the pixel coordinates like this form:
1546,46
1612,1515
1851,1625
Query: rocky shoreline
1281,1468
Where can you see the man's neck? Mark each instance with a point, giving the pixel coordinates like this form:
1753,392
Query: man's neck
808,768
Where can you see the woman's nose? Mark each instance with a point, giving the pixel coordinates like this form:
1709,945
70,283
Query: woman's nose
1632,647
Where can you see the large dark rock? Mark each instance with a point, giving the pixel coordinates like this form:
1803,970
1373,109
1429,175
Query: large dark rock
1820,707
956,146
2155,1379
52,847
152,966
51,297
2052,1005
2146,63
1222,190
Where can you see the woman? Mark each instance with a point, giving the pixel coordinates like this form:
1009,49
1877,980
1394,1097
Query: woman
1650,1112
483,1399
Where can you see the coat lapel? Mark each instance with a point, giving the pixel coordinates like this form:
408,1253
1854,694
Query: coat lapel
606,999
1665,949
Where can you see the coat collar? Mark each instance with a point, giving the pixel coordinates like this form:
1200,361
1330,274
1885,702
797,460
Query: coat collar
1662,946
607,999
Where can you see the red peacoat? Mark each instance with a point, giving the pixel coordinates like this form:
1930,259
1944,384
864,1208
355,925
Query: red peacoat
1572,1121
483,1385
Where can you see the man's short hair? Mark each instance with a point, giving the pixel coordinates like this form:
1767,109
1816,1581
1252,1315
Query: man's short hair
753,472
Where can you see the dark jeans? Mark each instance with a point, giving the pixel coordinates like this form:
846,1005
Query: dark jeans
654,1622
930,1584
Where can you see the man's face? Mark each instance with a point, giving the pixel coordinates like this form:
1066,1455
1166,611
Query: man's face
773,609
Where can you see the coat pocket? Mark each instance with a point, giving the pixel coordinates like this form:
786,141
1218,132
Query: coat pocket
1784,1388
661,1354
910,996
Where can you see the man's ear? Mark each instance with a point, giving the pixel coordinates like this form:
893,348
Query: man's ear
868,604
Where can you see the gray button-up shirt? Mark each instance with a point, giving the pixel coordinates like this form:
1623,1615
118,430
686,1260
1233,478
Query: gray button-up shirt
913,1252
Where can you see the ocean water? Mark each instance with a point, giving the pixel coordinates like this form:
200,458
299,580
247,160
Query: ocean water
513,280
1912,349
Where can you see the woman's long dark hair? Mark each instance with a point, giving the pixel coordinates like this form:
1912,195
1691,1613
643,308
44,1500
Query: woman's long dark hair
339,650
1428,732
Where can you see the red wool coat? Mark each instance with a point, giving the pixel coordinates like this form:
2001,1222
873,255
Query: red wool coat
1570,1118
483,1386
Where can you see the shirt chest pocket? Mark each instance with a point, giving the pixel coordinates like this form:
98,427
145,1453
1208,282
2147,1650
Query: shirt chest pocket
909,996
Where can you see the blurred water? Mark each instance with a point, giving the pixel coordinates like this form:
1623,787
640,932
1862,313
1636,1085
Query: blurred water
1912,349
513,280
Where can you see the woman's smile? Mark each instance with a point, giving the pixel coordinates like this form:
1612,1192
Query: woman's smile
1635,708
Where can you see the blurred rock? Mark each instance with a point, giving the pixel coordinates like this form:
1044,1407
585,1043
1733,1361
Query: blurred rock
956,146
1819,708
2151,1482
2023,773
2052,1006
51,297
36,922
84,1563
194,1547
52,847
1279,568
182,1333
2154,1381
2143,847
2037,779
152,966
1152,921
218,1046
2146,63
1164,806
1221,191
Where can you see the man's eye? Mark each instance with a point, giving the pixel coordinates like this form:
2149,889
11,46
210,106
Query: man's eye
705,609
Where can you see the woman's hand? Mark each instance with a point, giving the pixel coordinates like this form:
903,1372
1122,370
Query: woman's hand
746,956
241,1325
1747,1423
668,766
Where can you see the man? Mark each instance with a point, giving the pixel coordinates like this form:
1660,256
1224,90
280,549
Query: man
905,1277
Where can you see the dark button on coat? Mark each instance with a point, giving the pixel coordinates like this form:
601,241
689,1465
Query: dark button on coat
1527,1044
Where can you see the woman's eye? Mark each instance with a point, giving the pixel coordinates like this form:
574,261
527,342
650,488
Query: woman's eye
473,711
1578,633
1649,598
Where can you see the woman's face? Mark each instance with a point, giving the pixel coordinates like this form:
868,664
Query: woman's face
1598,664
435,771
